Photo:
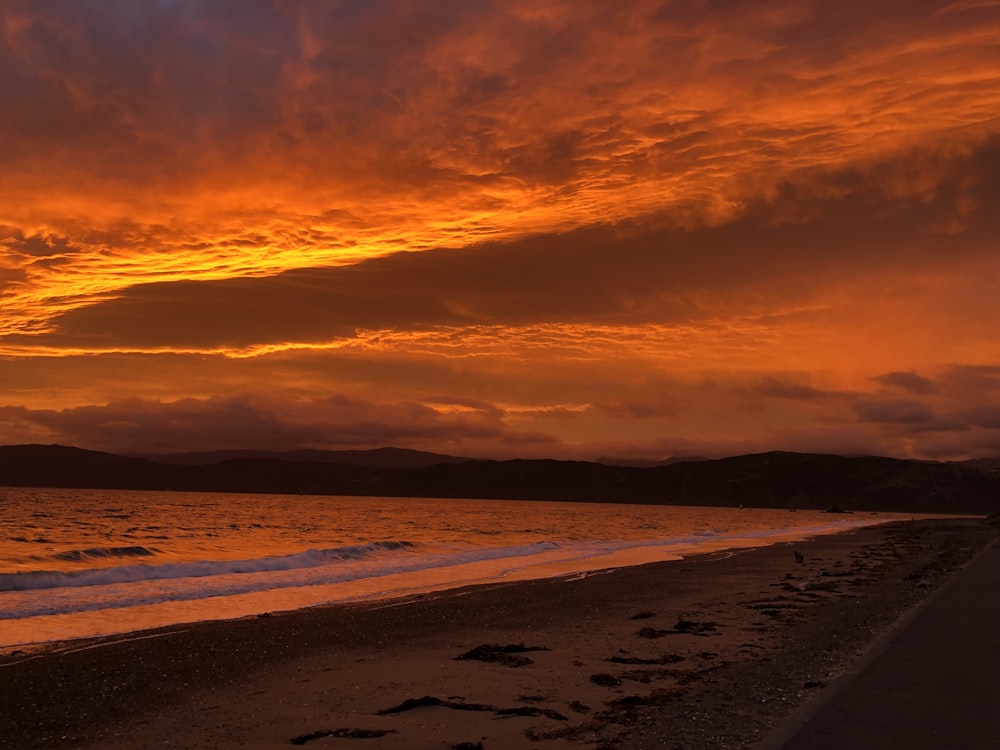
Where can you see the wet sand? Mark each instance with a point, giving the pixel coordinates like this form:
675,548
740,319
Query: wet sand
709,652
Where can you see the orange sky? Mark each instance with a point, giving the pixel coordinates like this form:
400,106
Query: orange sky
520,228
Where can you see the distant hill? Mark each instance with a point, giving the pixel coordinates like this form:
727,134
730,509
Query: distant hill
621,461
647,462
397,458
985,464
63,466
682,459
775,480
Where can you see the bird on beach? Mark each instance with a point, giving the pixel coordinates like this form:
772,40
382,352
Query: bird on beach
799,557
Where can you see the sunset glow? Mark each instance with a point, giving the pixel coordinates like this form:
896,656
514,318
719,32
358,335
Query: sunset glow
520,228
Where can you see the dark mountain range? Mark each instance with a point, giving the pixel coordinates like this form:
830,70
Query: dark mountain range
63,466
777,480
386,458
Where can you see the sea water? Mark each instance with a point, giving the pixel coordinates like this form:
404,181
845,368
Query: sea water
81,563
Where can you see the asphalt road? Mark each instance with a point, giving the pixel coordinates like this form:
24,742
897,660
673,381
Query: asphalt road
933,683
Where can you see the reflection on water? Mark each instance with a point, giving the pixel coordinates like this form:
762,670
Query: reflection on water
76,562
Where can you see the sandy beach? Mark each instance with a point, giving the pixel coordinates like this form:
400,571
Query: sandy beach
708,652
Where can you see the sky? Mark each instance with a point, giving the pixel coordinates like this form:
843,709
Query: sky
513,228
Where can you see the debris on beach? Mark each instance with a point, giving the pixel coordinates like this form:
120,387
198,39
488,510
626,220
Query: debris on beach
665,659
429,701
683,627
495,653
355,734
642,615
605,680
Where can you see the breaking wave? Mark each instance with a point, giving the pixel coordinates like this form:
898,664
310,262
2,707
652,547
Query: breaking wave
147,584
50,579
102,553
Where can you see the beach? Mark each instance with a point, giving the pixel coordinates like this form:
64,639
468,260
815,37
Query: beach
711,651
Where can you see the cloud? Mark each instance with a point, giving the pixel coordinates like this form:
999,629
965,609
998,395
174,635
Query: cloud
780,388
217,140
985,415
894,411
473,407
704,226
757,268
261,422
979,382
649,408
907,381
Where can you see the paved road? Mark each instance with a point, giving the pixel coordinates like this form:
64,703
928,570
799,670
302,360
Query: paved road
934,684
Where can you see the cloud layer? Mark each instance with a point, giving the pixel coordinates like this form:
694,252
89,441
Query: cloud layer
644,226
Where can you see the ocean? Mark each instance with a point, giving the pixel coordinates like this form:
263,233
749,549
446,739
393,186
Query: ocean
83,563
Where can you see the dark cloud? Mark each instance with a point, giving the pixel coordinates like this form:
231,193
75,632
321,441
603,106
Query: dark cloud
976,382
907,381
546,415
778,388
262,422
894,411
431,98
13,240
664,407
985,415
108,77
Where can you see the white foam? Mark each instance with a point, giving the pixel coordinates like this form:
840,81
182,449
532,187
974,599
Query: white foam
138,585
312,558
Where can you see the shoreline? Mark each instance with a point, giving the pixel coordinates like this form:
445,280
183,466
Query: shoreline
35,631
708,651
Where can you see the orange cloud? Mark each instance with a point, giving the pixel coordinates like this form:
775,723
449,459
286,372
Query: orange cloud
739,214
163,146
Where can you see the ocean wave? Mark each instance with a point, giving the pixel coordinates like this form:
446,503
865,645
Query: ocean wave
312,558
142,584
102,553
138,592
